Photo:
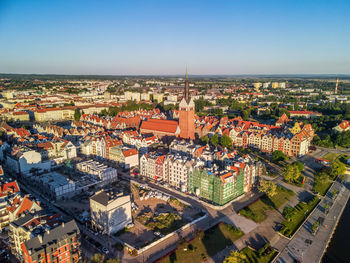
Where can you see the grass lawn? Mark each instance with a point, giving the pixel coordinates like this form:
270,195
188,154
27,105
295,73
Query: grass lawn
301,211
321,187
253,257
330,156
204,245
256,211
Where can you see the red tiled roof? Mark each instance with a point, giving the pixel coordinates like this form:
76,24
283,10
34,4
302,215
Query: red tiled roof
45,145
9,187
25,205
167,126
130,152
20,113
344,125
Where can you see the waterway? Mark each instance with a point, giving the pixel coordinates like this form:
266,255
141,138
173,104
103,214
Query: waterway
339,248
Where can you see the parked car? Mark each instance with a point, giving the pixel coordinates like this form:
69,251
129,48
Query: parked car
105,250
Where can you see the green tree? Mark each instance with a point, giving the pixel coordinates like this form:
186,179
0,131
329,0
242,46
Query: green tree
114,260
300,165
322,177
214,140
205,139
288,212
291,173
236,257
97,258
337,168
245,115
103,112
226,141
77,114
278,156
268,187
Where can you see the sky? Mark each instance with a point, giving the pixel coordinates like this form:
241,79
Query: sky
127,37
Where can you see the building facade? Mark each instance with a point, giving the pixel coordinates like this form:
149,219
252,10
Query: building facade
110,211
60,244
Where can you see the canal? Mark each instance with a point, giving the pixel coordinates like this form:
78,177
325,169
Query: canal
339,247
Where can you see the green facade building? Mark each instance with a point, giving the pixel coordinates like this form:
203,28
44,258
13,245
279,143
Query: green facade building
217,188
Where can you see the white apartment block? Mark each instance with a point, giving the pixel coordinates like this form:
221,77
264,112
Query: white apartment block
110,211
177,169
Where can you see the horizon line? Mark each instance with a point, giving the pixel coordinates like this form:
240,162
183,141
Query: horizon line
183,74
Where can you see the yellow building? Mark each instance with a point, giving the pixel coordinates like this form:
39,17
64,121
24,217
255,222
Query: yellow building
145,96
257,85
159,97
54,114
8,94
20,116
274,85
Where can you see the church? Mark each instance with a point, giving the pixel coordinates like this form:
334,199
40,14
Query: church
186,114
183,129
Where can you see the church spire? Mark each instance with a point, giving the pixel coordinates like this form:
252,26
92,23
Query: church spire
187,89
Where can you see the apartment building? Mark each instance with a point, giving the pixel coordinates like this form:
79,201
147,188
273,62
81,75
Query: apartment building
291,140
60,244
101,171
221,186
110,211
28,226
55,185
8,190
54,114
176,170
152,166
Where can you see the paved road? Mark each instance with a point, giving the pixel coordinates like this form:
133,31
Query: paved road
307,247
339,151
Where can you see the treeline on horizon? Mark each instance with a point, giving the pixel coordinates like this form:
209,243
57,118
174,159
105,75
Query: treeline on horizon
261,77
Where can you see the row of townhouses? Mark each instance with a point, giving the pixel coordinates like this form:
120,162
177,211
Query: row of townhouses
218,177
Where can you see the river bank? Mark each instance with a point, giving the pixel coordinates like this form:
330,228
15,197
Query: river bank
338,249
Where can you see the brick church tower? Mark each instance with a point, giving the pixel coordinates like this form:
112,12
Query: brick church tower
186,114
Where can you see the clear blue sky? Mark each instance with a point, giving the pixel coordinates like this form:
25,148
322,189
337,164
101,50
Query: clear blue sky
161,37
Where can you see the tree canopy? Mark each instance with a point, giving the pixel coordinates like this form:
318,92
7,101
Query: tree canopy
226,141
300,165
205,139
236,257
278,156
268,187
291,173
337,168
77,114
214,140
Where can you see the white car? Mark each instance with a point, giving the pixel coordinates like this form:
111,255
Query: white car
105,250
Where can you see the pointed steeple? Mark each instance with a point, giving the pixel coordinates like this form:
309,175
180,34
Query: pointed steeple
187,89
